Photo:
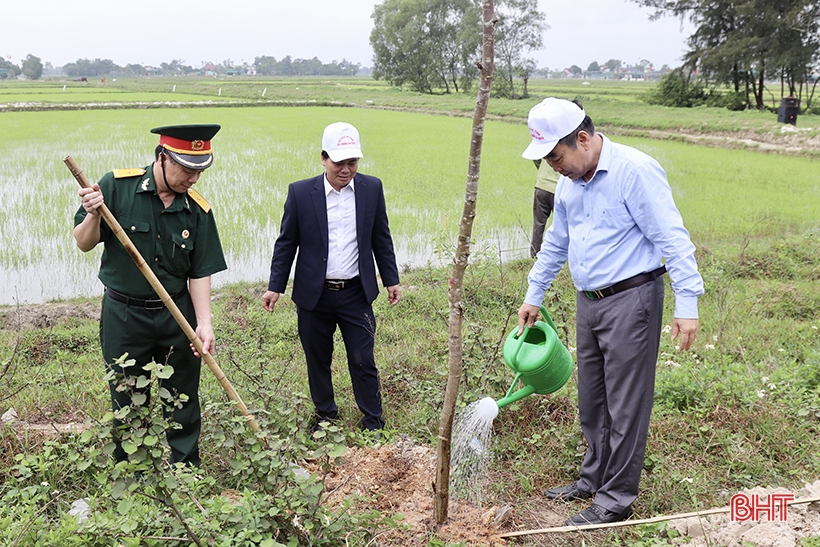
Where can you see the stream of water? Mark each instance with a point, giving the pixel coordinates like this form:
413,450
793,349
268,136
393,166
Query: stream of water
472,452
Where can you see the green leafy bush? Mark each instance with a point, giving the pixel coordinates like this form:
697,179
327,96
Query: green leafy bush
253,492
677,89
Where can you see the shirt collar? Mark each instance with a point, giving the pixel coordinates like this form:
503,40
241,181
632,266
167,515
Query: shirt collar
329,188
148,184
604,160
605,157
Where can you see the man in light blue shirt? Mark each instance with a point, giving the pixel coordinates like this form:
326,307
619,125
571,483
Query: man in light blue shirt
614,222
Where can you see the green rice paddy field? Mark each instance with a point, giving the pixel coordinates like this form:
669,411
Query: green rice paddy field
726,196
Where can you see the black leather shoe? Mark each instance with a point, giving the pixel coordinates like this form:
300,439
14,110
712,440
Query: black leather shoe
595,514
567,493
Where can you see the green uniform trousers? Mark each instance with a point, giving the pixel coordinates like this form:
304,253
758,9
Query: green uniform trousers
154,335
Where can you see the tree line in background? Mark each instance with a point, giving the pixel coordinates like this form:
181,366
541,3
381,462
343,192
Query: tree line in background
742,45
33,68
434,45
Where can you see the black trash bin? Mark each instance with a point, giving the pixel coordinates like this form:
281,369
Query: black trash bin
787,112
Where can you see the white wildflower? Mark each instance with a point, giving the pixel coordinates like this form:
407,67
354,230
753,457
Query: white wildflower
44,483
709,346
761,393
772,387
781,350
764,379
667,329
714,338
687,479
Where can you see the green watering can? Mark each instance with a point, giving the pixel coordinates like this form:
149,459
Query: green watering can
538,358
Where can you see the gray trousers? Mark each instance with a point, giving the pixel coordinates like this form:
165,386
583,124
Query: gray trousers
617,350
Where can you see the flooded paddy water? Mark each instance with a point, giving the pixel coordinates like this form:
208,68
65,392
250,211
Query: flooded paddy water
258,152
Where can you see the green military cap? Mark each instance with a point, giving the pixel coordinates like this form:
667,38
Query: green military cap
188,145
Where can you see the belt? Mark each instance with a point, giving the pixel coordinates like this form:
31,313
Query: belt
629,283
340,284
149,304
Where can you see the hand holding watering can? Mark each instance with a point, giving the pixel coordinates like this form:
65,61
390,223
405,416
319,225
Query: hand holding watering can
527,316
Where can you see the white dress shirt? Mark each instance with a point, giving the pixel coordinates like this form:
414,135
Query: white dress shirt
342,247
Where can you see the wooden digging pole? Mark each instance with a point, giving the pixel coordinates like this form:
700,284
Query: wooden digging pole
163,294
445,428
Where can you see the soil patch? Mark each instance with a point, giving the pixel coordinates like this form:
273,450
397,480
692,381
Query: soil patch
398,479
43,316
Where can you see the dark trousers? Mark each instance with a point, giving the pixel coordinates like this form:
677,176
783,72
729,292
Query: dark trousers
617,350
350,310
542,205
154,335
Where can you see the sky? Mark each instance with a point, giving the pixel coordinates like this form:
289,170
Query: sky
151,32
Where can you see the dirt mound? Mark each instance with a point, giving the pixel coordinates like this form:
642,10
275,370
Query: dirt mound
398,479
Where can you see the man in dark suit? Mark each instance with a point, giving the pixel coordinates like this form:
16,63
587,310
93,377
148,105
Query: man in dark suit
338,223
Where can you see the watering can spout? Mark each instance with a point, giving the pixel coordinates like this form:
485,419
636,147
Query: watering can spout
512,397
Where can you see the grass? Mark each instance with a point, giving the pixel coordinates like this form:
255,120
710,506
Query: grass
742,409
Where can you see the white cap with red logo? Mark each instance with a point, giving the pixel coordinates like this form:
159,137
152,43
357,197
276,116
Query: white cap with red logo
341,142
550,121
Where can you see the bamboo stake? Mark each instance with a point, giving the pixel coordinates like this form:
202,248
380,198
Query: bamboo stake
637,521
163,294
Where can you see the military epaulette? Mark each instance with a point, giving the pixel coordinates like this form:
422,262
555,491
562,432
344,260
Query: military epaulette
131,172
201,201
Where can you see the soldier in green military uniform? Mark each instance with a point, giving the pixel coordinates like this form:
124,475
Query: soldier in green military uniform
173,228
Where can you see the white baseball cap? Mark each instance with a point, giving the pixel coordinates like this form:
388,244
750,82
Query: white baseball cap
341,142
550,121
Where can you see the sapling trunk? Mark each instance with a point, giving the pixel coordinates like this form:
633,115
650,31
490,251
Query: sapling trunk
445,429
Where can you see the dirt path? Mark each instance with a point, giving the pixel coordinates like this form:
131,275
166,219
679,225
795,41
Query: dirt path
790,140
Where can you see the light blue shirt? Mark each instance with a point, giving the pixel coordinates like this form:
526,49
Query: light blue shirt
619,224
